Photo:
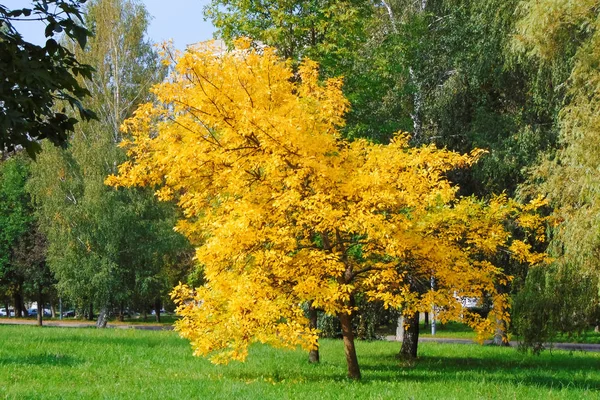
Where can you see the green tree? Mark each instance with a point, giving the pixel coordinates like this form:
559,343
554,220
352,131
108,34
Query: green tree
104,243
329,31
15,219
348,38
564,37
23,269
476,95
29,258
439,68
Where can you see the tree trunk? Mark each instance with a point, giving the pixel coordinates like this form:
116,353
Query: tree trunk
500,336
313,355
121,312
52,309
40,306
349,349
410,342
157,309
91,313
7,308
426,322
18,304
20,309
400,329
102,318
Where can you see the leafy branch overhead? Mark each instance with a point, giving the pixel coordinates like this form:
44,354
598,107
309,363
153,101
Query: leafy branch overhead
39,81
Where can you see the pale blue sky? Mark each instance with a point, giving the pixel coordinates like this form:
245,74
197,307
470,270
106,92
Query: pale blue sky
180,20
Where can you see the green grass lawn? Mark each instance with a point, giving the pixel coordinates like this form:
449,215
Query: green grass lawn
452,330
165,319
589,336
455,330
52,363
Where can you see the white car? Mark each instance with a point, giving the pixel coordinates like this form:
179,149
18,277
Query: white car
3,312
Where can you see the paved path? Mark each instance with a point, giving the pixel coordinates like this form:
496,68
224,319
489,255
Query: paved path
84,324
558,346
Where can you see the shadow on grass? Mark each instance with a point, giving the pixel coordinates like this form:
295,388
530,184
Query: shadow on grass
551,371
313,374
47,359
557,371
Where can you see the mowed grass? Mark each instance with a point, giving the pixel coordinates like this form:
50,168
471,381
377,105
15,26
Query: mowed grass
452,330
82,363
165,319
455,330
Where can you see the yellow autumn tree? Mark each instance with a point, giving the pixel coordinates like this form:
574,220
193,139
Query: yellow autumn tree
284,212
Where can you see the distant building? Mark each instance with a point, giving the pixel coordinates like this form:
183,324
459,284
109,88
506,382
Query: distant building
217,46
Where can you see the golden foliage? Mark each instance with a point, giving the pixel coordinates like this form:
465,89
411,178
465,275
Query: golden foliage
283,211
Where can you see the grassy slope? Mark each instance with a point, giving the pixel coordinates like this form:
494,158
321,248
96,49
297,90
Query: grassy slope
88,363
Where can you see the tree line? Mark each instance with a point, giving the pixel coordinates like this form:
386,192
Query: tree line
65,234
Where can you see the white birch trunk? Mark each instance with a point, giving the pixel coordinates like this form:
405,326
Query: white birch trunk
400,329
418,95
102,320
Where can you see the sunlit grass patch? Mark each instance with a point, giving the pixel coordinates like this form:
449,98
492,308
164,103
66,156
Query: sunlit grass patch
54,363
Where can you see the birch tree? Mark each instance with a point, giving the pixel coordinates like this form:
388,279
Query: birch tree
102,242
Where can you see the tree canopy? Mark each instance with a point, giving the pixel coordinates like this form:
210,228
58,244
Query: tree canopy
255,158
